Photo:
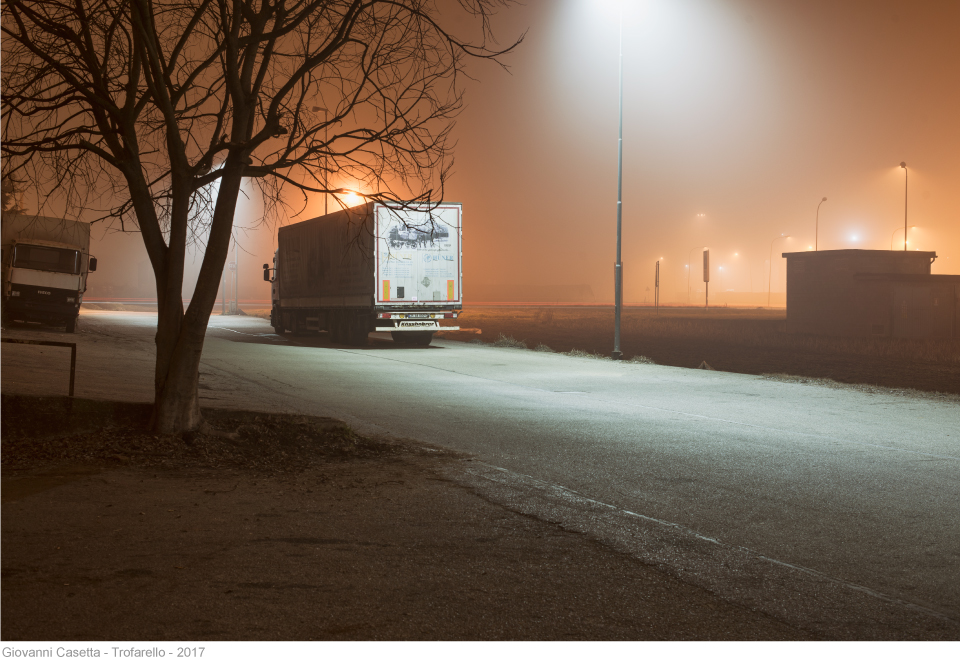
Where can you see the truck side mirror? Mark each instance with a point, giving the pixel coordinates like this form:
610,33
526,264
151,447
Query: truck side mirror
266,272
93,264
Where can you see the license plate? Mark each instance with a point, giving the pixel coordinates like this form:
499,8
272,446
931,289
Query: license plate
419,324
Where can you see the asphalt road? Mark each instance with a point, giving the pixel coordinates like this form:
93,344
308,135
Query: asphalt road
833,509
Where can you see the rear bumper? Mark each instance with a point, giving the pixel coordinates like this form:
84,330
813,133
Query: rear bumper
412,326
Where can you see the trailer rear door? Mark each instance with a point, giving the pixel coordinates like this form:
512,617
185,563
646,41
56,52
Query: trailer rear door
418,255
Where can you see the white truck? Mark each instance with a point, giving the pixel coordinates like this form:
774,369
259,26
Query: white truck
45,266
371,268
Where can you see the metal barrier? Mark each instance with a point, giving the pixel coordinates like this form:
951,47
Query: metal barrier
72,347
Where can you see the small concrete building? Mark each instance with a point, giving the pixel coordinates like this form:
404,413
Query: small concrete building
871,293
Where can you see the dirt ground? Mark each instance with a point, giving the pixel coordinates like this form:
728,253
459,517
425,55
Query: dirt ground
270,527
750,341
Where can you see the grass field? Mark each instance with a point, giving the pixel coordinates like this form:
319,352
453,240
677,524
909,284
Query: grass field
749,341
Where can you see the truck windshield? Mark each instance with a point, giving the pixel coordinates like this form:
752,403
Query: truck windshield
58,260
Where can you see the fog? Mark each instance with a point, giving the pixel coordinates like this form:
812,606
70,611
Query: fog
739,117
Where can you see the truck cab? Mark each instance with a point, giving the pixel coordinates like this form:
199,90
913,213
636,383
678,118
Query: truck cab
44,281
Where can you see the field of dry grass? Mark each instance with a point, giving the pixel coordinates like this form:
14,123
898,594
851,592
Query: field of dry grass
728,339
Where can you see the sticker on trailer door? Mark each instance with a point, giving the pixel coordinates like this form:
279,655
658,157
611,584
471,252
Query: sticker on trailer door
418,254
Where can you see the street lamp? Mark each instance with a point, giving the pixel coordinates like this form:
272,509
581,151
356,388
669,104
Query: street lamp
326,142
689,268
905,177
618,268
895,233
817,227
770,269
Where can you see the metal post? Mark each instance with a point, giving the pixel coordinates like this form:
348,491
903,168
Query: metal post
905,177
326,162
618,269
816,234
770,267
70,345
236,277
689,268
73,366
656,289
706,278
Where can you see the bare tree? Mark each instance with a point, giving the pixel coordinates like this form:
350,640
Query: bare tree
162,107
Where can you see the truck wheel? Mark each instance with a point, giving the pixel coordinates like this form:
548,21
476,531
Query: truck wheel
400,337
71,326
356,330
276,320
421,338
336,328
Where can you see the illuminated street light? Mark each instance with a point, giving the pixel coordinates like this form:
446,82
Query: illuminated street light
895,233
817,227
618,268
905,178
770,270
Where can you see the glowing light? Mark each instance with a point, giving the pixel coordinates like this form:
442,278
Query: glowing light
351,198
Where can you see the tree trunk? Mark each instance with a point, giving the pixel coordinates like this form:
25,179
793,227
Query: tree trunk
177,404
180,334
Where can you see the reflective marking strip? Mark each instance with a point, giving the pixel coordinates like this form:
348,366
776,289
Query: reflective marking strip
386,290
450,295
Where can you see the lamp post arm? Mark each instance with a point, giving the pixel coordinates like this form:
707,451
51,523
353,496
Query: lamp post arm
816,235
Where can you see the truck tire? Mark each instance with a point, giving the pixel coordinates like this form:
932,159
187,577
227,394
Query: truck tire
336,327
356,330
400,337
421,338
71,326
276,320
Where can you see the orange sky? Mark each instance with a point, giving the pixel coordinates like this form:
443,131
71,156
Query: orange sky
748,112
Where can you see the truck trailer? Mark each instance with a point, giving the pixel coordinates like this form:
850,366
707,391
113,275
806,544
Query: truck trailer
370,268
45,266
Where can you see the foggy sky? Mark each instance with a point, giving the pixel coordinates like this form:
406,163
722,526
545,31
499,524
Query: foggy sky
748,112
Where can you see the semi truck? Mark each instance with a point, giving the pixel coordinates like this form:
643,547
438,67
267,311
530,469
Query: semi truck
45,266
376,267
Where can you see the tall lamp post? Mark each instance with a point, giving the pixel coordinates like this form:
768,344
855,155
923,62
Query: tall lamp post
816,234
904,166
326,140
689,268
770,269
618,268
895,233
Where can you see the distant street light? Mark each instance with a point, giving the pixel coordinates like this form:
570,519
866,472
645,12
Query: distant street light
618,268
895,233
905,177
689,268
770,270
817,228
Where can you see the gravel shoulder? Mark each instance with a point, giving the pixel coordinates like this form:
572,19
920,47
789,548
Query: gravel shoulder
282,527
